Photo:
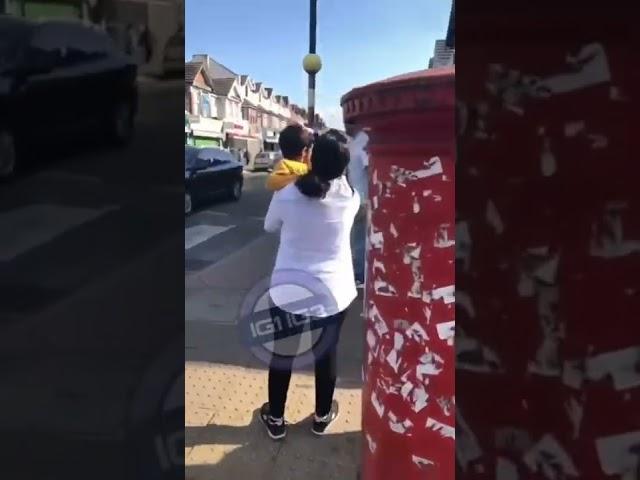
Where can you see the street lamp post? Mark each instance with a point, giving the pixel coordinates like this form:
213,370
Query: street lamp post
312,62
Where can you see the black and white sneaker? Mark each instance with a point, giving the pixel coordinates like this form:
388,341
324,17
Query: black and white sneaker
321,424
276,427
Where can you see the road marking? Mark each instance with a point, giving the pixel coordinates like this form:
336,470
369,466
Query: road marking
219,214
201,233
29,227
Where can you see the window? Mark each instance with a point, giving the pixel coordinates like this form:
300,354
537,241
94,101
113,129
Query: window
245,114
205,106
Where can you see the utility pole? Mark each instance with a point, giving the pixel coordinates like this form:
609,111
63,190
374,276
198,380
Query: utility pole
312,62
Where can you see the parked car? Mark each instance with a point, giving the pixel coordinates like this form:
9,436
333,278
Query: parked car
266,160
209,172
59,79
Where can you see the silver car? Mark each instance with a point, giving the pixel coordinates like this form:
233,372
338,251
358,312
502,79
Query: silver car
266,160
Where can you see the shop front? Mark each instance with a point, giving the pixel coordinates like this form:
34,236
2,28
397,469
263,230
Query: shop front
239,140
207,132
270,140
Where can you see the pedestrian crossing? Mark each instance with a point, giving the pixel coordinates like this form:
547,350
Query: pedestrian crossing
60,235
200,233
210,236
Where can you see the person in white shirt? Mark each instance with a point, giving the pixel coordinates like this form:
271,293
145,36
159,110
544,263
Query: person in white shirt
314,217
359,176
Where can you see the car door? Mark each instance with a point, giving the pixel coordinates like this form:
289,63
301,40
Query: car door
207,179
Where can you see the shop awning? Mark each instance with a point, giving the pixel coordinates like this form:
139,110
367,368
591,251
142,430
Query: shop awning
197,132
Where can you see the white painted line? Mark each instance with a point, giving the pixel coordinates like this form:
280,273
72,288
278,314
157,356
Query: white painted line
201,233
217,214
26,228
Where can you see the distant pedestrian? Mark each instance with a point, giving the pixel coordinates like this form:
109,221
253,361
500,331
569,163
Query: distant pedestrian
359,176
314,216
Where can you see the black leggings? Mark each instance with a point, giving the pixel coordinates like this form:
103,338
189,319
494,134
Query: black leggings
325,360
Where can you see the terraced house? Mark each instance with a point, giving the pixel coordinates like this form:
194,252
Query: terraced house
250,114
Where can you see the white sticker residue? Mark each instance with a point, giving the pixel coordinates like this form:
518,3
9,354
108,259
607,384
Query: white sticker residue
405,390
446,294
384,288
593,69
393,359
446,405
446,431
371,339
442,239
377,405
430,364
447,331
434,167
378,266
620,365
417,333
376,240
617,456
393,231
547,457
371,443
421,462
397,426
493,218
420,399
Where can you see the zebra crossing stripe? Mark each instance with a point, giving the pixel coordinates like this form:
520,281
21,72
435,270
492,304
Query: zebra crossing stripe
201,233
31,226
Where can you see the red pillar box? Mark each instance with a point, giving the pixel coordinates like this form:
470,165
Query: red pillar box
408,397
548,338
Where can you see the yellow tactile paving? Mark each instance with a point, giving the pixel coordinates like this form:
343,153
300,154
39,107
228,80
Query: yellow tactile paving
224,437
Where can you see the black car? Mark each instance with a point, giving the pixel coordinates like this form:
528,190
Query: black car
209,172
58,80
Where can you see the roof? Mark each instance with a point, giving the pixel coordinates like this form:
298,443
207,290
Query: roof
213,68
451,30
243,78
222,86
191,70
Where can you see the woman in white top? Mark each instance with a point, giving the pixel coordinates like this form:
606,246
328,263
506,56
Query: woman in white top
314,216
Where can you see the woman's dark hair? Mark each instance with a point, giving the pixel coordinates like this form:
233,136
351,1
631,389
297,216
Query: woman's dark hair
329,160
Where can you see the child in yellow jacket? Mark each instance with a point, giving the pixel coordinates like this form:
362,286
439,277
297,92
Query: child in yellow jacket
295,144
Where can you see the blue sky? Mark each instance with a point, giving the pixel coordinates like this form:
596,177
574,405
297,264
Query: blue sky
360,41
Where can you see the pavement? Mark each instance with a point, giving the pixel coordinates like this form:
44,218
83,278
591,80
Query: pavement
229,253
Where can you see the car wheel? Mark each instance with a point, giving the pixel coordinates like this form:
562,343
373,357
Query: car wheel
236,190
188,204
8,154
121,123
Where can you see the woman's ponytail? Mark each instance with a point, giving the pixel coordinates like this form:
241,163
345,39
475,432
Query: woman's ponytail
311,185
